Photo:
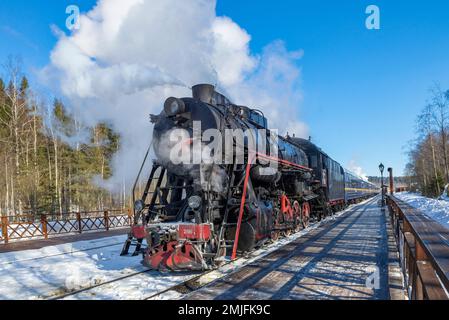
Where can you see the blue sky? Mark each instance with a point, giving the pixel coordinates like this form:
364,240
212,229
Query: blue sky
362,88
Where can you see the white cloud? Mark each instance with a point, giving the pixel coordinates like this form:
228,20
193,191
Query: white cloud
129,56
231,56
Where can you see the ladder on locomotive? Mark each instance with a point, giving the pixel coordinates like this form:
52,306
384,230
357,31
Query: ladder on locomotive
131,241
232,188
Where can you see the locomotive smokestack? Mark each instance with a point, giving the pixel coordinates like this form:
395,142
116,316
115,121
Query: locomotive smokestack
204,92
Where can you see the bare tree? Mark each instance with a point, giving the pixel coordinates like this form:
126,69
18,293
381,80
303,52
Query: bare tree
425,129
440,118
15,113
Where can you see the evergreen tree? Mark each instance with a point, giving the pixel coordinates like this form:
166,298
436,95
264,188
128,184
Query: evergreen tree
42,169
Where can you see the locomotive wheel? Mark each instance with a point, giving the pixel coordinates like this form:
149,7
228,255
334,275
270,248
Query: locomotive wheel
287,232
297,214
305,214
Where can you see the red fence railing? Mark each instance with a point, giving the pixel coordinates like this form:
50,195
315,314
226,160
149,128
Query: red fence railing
44,226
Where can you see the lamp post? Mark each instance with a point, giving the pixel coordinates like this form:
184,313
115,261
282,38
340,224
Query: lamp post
382,168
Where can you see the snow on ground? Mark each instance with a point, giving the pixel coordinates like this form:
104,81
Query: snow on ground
444,195
437,210
60,249
55,270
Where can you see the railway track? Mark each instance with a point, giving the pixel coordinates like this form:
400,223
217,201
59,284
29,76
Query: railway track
188,282
127,282
192,285
86,289
140,285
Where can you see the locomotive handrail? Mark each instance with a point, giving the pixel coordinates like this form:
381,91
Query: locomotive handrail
242,206
424,251
281,161
140,173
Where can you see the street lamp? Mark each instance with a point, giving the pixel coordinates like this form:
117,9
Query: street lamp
382,168
390,171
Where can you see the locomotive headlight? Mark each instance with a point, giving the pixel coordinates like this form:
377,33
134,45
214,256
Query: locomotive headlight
194,202
139,205
174,106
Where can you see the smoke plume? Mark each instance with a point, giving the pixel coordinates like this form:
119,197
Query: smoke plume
352,166
129,56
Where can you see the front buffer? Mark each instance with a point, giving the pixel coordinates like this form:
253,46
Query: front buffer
178,246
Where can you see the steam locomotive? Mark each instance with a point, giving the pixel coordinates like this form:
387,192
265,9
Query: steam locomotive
194,214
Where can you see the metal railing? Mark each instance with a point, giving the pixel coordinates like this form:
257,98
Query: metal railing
43,226
423,246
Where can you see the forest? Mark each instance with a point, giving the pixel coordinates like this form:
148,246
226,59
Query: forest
42,169
428,154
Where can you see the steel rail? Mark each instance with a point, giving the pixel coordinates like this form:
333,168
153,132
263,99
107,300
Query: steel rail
73,293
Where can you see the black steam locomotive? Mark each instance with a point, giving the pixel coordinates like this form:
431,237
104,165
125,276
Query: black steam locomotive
193,214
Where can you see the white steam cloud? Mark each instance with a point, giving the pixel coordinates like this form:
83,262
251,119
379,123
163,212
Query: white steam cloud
355,168
129,56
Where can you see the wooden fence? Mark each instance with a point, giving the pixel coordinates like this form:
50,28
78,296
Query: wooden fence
424,251
43,226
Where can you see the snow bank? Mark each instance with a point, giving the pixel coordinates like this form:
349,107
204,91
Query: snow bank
437,210
50,271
